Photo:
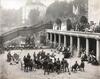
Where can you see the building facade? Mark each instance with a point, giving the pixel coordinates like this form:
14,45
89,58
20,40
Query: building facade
76,40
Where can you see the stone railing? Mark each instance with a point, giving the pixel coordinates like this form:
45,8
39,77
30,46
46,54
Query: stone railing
76,33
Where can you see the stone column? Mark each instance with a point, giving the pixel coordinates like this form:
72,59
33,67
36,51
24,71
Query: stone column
64,40
87,46
59,39
47,36
55,40
78,46
51,37
98,50
71,44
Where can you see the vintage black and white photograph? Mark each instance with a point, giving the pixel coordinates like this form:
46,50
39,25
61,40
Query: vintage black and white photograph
49,39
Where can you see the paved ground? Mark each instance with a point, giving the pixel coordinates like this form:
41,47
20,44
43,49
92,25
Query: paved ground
14,71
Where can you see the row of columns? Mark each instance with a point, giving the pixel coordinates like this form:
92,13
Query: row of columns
78,44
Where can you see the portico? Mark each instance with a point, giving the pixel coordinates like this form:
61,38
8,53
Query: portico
88,41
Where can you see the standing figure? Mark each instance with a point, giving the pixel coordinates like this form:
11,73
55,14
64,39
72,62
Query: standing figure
65,65
9,57
82,65
58,66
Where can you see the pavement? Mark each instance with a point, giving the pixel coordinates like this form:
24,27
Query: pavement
8,71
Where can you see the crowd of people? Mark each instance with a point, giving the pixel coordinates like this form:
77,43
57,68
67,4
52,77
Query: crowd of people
91,58
46,62
49,63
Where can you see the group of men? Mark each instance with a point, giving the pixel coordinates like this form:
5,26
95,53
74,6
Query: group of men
13,59
91,58
44,61
49,63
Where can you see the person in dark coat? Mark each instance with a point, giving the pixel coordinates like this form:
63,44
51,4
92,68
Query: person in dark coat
55,65
28,56
34,56
58,66
82,65
9,57
65,65
50,66
45,66
30,65
25,63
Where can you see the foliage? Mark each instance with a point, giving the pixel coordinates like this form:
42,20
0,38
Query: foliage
69,24
59,9
83,20
83,6
58,21
97,29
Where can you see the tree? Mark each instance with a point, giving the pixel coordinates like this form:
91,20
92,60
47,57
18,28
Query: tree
58,22
83,23
59,9
69,24
82,6
83,20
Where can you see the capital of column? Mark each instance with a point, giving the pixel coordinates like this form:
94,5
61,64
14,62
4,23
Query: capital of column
97,38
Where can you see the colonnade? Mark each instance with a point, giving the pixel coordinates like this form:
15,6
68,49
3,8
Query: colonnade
49,37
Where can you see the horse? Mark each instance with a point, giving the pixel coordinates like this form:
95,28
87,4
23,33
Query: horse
81,66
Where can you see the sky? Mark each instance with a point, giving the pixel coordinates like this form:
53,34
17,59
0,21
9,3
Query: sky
16,4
